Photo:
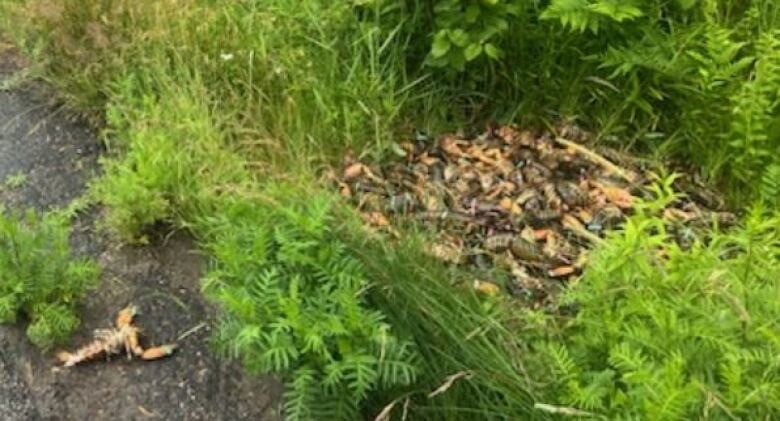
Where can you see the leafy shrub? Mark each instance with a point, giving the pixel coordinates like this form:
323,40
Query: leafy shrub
38,278
468,31
696,79
666,333
295,305
753,135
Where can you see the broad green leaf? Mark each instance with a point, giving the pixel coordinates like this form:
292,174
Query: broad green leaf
472,51
687,4
513,9
457,62
441,44
472,13
459,37
616,11
493,52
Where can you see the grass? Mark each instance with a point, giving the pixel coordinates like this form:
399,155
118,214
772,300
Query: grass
309,82
209,105
456,332
175,159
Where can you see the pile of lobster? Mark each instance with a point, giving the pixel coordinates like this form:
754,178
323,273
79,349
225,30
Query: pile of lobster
531,203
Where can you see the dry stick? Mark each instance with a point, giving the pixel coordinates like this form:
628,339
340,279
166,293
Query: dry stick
386,411
448,382
146,412
598,159
191,331
385,414
716,402
565,410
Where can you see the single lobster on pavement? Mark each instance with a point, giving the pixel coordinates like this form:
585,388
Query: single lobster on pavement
112,341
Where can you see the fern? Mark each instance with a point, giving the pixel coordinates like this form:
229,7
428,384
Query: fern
770,185
294,305
582,15
754,111
299,396
591,393
563,365
665,338
39,279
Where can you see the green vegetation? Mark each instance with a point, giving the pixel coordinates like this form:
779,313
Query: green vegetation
694,79
173,163
456,332
659,332
220,116
16,181
39,279
311,80
295,305
666,333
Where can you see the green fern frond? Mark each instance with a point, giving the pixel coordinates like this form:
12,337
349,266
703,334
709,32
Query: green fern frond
591,15
299,395
397,363
563,365
361,374
731,372
770,185
574,14
665,338
591,395
51,324
38,277
281,352
626,358
299,309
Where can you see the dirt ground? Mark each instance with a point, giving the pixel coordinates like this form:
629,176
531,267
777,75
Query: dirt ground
56,155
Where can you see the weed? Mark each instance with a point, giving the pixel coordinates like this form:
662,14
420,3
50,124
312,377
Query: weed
693,78
666,333
295,305
16,181
173,162
204,99
38,277
311,80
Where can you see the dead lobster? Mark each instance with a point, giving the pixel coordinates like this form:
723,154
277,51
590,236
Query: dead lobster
112,341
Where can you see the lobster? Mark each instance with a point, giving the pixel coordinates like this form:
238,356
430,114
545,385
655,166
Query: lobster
123,337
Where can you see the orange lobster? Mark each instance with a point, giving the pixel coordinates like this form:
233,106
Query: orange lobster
112,341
